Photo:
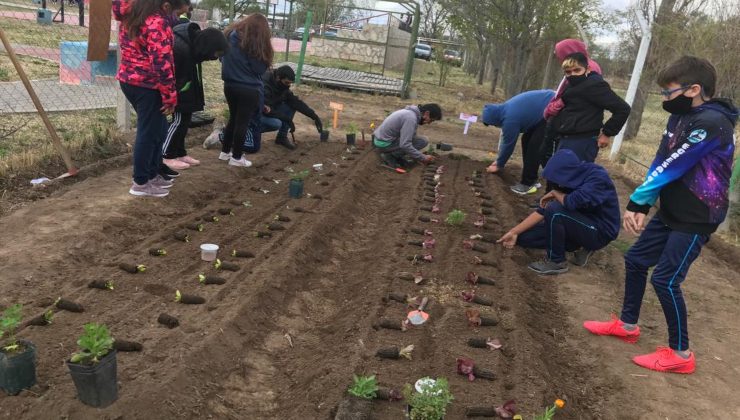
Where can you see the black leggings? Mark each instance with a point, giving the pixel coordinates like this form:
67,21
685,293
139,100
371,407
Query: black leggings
532,152
244,105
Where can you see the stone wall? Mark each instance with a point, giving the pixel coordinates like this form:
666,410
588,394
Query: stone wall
398,46
348,50
371,48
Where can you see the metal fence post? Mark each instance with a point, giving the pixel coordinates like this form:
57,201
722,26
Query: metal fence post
306,32
123,107
410,59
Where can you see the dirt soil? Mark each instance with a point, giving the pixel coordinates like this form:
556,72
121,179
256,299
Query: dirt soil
283,337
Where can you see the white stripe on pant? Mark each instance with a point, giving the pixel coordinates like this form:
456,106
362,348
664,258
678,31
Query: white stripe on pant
176,120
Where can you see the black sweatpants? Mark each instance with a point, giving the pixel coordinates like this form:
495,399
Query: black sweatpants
174,142
532,152
244,106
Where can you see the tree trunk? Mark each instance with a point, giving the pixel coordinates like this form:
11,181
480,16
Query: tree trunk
494,82
482,65
635,120
548,68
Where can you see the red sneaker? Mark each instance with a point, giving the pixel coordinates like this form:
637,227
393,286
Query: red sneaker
666,360
614,327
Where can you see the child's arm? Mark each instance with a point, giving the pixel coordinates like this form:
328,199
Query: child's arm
159,40
700,141
588,196
603,96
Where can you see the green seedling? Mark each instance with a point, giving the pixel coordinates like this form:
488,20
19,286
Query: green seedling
300,176
43,319
131,268
195,226
188,299
182,236
101,284
431,403
68,305
95,343
223,265
365,387
9,323
203,279
455,218
157,252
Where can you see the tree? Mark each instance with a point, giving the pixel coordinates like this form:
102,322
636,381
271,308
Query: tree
433,22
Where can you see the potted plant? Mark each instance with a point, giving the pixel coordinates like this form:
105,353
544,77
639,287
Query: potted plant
430,403
295,189
351,133
359,402
324,136
17,357
94,368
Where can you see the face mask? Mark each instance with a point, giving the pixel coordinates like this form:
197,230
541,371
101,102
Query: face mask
679,105
576,80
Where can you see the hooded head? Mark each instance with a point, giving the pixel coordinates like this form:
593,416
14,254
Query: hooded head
569,46
493,114
566,169
209,44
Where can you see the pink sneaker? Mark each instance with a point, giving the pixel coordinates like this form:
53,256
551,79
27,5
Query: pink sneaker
615,328
666,360
147,190
159,182
176,164
190,161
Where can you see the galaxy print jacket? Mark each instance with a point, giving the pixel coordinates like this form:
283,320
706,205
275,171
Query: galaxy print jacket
147,61
692,169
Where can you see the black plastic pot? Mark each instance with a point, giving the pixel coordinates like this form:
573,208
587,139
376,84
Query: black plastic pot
324,135
444,147
295,188
351,139
97,385
18,371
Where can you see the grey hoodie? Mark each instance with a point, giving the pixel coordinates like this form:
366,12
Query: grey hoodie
400,128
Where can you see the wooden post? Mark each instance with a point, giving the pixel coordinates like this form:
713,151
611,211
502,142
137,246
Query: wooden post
71,169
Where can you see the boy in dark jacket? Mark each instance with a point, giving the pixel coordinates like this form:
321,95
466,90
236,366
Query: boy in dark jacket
579,125
691,176
581,214
283,105
192,47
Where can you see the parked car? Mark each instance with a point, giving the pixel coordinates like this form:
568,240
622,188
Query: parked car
454,57
298,33
423,51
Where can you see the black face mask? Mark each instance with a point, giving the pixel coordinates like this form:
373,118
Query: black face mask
576,80
679,105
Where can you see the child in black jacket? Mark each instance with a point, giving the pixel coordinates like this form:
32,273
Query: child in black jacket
579,126
192,47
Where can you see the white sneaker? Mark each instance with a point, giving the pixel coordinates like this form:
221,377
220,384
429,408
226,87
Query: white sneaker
224,156
243,162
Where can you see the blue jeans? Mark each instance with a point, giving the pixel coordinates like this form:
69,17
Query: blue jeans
275,124
586,148
671,253
562,230
151,128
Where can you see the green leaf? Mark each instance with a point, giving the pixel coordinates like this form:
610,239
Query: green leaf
365,387
95,343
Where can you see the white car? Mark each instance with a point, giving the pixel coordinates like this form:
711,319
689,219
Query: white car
423,51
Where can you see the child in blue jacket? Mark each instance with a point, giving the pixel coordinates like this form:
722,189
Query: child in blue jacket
691,176
580,215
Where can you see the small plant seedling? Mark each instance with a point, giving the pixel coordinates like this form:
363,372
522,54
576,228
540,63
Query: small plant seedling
397,297
225,212
395,353
416,278
300,175
168,321
417,258
263,234
428,219
182,236
157,252
470,244
486,262
431,403
455,218
9,323
101,284
95,343
474,279
352,128
389,325
476,320
481,412
195,226
486,204
426,208
223,265
485,211
127,346
484,343
242,254
549,413
68,305
467,367
132,268
42,320
473,298
387,394
188,299
281,218
365,387
275,226
210,217
203,279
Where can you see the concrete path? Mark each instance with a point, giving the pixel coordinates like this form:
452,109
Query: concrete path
57,97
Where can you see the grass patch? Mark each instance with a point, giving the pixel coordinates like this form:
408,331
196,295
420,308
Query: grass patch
622,245
28,32
35,68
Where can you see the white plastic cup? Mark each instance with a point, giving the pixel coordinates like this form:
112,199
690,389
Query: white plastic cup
208,252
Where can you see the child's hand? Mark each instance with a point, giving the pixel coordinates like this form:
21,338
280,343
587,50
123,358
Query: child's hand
508,240
167,110
633,222
603,141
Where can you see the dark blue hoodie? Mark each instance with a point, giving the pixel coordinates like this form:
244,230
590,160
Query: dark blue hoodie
591,191
240,69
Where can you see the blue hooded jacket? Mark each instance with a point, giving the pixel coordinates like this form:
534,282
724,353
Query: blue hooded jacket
240,69
515,116
592,192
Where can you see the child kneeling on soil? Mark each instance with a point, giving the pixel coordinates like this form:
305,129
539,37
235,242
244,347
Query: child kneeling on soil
691,174
396,136
580,215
